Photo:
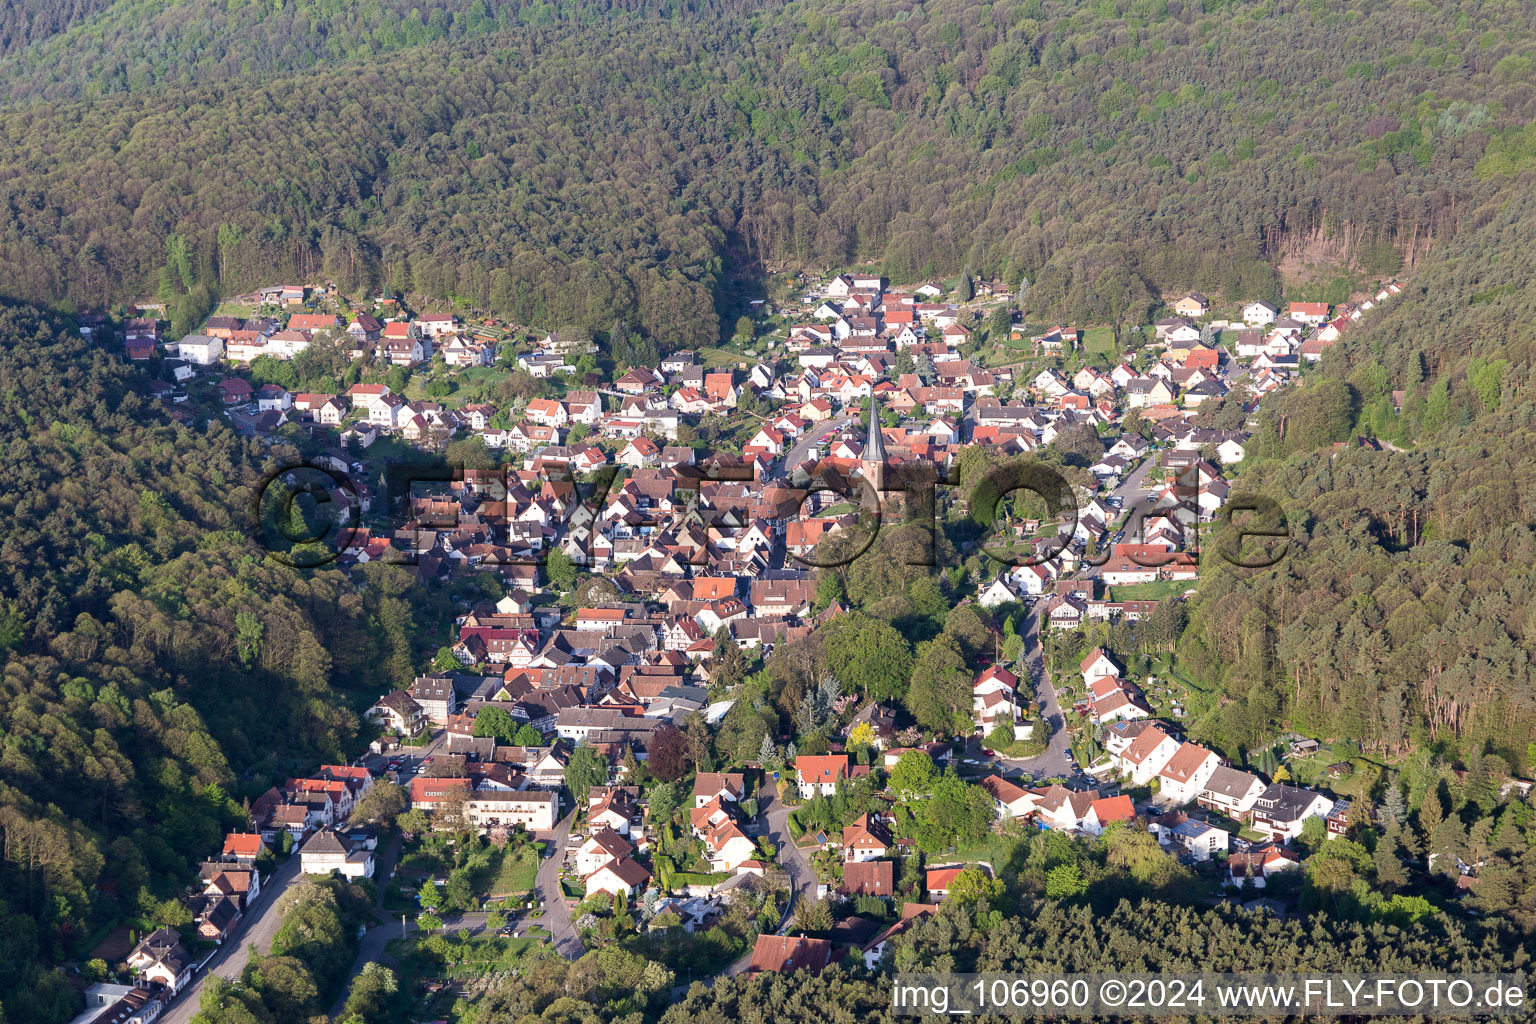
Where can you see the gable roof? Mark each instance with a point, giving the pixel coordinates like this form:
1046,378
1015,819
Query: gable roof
790,953
1114,808
869,878
1185,761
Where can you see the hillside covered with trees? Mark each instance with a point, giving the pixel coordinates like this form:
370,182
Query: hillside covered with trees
155,670
564,164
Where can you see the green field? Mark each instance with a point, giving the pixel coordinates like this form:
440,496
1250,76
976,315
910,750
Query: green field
509,873
1100,339
1154,591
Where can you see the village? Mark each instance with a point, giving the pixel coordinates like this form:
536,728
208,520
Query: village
553,738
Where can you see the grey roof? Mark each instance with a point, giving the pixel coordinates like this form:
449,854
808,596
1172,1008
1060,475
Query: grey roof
1230,782
874,447
1285,803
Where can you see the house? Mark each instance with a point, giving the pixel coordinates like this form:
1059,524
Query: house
329,851
1308,312
242,847
235,391
397,711
1064,809
436,696
1231,792
160,959
784,953
937,881
614,808
1260,312
1256,864
1200,839
728,846
820,774
865,839
200,349
998,592
625,875
1147,755
1280,811
1183,778
641,451
728,786
364,328
273,398
606,845
533,810
107,1003
1099,665
1192,304
1011,801
881,721
1105,811
869,878
911,914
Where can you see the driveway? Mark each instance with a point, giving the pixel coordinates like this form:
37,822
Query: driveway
257,929
557,916
1054,761
802,877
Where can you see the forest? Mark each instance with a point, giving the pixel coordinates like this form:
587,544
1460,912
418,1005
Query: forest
528,159
1403,615
156,672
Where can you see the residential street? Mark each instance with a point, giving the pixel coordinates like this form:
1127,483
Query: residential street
1129,492
812,437
802,877
557,917
1054,761
231,958
372,946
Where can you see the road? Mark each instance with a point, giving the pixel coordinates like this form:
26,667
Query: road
1053,763
257,929
557,916
801,451
1129,492
802,877
378,935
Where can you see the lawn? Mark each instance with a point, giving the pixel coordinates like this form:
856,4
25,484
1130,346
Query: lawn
1154,591
718,358
508,873
997,850
1100,339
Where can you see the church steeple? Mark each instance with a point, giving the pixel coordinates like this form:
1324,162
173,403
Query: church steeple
872,464
874,444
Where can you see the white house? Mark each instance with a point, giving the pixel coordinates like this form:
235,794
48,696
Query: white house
607,845
201,349
625,875
1280,811
1147,755
1183,778
1260,312
998,592
329,851
1011,801
1201,840
1099,665
1231,792
820,774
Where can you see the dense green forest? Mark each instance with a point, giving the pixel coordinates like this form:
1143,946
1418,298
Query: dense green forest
157,670
1404,616
534,160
